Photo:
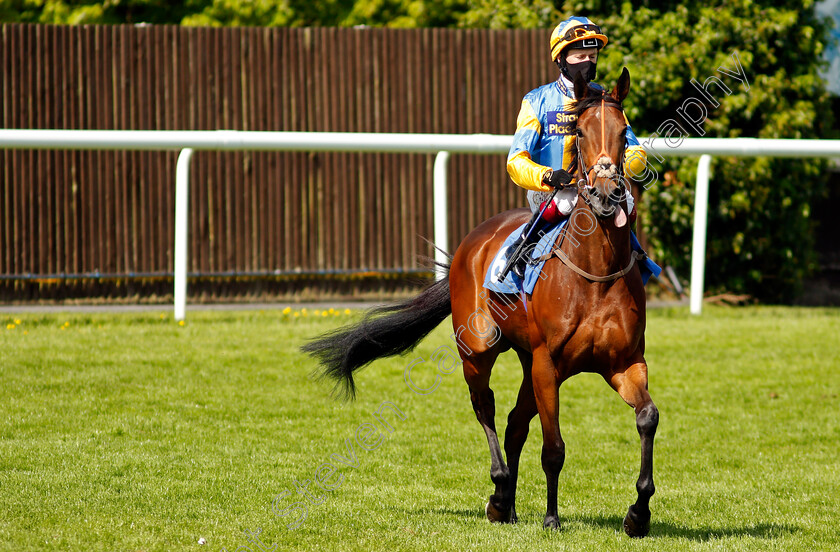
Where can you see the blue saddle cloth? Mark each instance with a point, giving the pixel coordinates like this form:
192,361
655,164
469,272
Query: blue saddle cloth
647,267
513,284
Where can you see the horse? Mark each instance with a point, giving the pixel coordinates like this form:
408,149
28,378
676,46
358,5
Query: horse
587,314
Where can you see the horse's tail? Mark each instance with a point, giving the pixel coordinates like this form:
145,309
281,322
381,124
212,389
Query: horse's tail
383,332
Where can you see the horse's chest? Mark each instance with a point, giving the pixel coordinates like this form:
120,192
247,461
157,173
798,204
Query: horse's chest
597,341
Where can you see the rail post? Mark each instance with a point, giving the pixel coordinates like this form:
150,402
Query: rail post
182,189
698,248
441,214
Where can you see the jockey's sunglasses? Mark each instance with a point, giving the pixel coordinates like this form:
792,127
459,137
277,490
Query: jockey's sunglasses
582,30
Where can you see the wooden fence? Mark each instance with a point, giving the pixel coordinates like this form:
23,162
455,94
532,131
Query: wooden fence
81,223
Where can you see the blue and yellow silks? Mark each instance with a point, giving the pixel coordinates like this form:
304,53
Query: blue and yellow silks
545,137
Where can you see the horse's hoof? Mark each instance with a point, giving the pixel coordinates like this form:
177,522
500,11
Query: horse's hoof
551,522
636,525
498,516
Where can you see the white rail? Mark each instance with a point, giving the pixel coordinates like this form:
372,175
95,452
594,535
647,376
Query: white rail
441,144
160,140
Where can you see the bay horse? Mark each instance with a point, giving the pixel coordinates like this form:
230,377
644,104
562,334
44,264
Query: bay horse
587,314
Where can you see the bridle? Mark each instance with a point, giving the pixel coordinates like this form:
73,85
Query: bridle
583,184
584,190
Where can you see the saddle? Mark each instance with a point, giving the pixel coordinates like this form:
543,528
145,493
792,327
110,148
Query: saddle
544,250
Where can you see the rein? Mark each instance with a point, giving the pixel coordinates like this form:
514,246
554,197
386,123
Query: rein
634,256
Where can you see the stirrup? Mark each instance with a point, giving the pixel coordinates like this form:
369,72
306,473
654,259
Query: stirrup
523,261
521,266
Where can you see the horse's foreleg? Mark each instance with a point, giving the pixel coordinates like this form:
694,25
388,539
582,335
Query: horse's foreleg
477,374
544,378
632,386
516,432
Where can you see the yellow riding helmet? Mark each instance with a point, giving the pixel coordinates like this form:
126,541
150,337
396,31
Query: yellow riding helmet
574,30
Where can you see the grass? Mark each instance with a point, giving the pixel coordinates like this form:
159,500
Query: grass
130,432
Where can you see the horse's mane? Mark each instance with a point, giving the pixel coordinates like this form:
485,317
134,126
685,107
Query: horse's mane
592,98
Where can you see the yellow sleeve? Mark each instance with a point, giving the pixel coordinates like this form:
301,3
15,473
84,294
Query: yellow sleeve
522,170
635,161
635,156
526,173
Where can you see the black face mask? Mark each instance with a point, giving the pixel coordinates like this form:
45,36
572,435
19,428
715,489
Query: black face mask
585,68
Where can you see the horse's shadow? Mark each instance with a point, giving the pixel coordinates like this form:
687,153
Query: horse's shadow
700,534
448,512
658,529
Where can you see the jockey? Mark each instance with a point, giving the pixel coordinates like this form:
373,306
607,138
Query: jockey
544,139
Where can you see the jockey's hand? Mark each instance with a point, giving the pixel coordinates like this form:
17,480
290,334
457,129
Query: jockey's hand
557,178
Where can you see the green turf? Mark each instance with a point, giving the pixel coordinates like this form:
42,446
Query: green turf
129,432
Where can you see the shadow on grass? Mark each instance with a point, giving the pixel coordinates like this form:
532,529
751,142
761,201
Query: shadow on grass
658,529
700,534
460,513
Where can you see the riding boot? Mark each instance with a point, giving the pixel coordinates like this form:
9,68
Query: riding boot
531,234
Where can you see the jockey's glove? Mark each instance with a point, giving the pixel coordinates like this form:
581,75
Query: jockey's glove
557,178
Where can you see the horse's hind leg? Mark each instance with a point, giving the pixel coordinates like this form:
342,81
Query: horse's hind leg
632,386
477,373
517,427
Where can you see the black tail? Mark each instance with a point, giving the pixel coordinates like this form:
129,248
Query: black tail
384,331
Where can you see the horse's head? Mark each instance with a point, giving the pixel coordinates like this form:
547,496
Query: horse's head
601,128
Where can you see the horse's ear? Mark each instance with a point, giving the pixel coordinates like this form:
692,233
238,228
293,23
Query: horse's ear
580,86
623,87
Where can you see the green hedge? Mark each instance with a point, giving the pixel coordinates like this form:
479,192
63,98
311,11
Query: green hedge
760,237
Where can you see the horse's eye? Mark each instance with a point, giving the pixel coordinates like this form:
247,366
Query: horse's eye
579,132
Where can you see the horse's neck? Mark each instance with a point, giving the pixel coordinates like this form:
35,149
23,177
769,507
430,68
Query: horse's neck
603,249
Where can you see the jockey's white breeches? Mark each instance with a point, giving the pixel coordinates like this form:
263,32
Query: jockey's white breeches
565,200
